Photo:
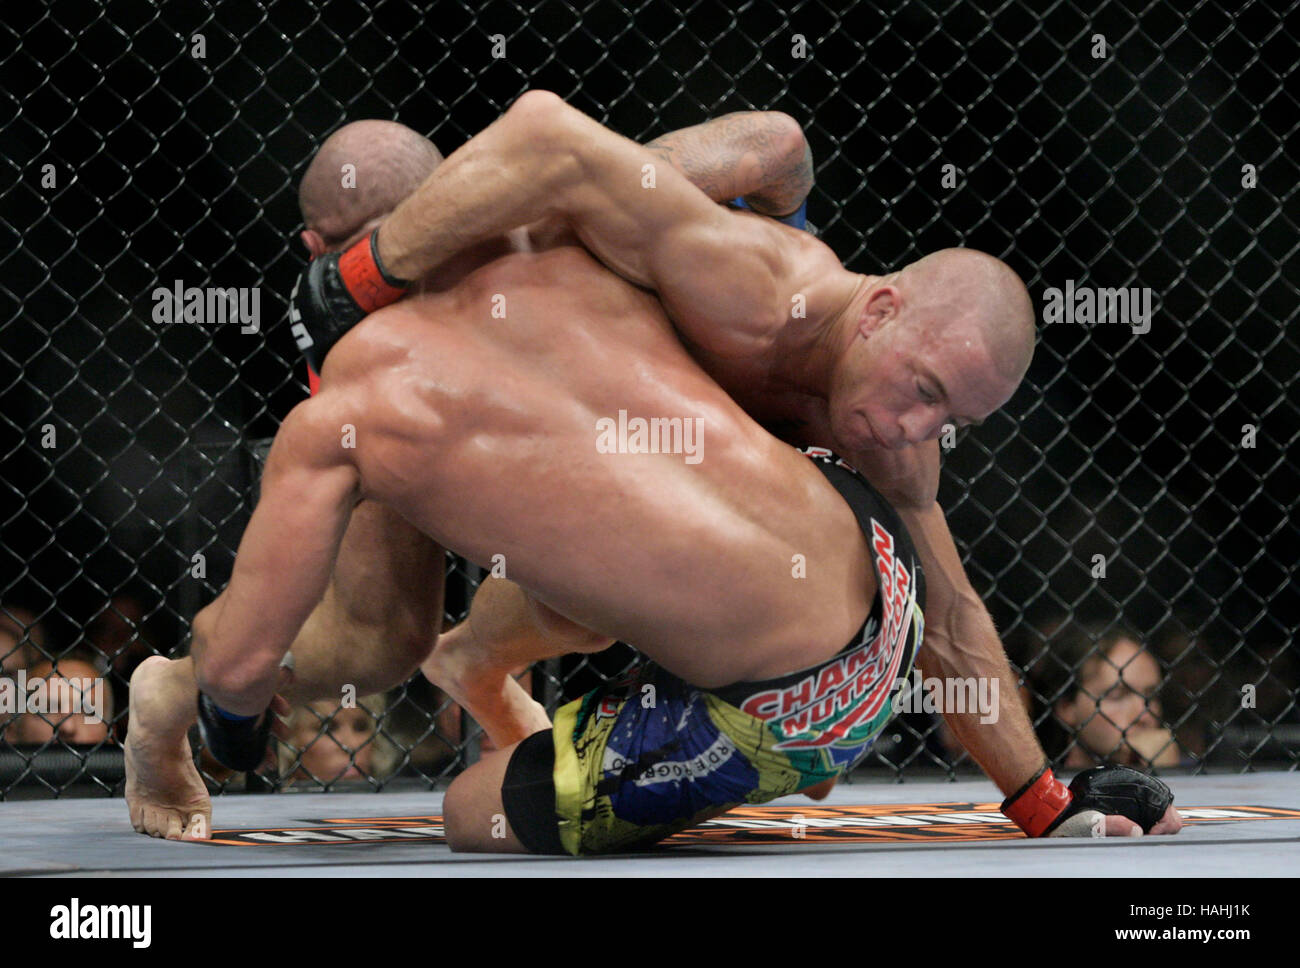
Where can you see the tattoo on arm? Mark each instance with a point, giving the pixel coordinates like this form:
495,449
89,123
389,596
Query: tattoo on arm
741,154
788,181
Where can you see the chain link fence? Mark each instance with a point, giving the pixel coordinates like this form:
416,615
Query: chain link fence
1131,506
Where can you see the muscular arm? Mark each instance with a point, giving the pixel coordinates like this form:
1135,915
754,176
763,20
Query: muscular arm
643,219
761,156
960,641
283,564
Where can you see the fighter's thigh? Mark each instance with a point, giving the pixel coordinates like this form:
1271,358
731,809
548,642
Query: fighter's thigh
381,613
385,560
473,812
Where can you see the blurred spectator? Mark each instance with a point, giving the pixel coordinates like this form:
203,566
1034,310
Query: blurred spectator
73,690
22,643
1103,692
119,636
22,639
1194,683
119,633
328,743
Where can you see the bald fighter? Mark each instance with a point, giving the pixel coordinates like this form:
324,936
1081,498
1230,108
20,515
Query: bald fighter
381,611
458,781
875,365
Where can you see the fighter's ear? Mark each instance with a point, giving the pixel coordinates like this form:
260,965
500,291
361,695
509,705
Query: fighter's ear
885,303
315,244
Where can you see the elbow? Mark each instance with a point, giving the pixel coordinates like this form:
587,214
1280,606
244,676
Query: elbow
789,133
546,134
536,106
794,150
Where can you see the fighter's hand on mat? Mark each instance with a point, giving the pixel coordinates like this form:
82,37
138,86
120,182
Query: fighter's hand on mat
1107,801
337,291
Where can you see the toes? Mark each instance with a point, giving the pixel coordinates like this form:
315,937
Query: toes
198,828
174,828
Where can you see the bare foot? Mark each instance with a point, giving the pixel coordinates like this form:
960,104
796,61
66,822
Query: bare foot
463,669
164,793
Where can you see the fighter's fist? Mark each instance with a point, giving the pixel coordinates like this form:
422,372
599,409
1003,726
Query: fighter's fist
337,291
1104,801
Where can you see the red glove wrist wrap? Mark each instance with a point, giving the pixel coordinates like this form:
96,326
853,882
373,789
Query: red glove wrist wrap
1037,804
365,280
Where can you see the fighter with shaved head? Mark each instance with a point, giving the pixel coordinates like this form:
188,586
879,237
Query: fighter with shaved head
358,176
874,366
678,562
381,611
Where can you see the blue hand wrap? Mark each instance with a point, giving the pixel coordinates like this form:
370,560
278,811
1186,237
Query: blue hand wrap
798,219
238,742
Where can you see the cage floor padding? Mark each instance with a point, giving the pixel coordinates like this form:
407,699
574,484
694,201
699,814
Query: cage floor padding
1243,826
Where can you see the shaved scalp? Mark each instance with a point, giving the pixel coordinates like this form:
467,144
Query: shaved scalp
390,161
967,286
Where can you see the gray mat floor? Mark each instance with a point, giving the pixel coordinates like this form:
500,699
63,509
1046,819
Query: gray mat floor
94,838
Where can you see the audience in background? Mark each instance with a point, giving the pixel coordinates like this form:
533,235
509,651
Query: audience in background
22,644
22,639
329,743
1103,692
74,714
120,639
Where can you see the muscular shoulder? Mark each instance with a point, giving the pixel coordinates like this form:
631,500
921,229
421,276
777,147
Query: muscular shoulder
731,294
378,341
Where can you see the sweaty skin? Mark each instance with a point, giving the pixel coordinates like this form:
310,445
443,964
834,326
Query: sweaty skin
486,441
873,366
905,475
381,613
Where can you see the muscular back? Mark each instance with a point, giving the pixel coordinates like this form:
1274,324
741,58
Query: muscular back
482,430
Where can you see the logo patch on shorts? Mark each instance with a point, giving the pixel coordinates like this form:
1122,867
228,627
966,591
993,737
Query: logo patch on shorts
845,702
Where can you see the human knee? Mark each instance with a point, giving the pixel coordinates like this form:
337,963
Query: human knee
458,817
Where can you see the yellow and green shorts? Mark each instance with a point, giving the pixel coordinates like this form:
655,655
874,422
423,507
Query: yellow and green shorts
637,760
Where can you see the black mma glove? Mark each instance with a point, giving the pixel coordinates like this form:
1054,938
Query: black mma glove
337,291
1045,807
